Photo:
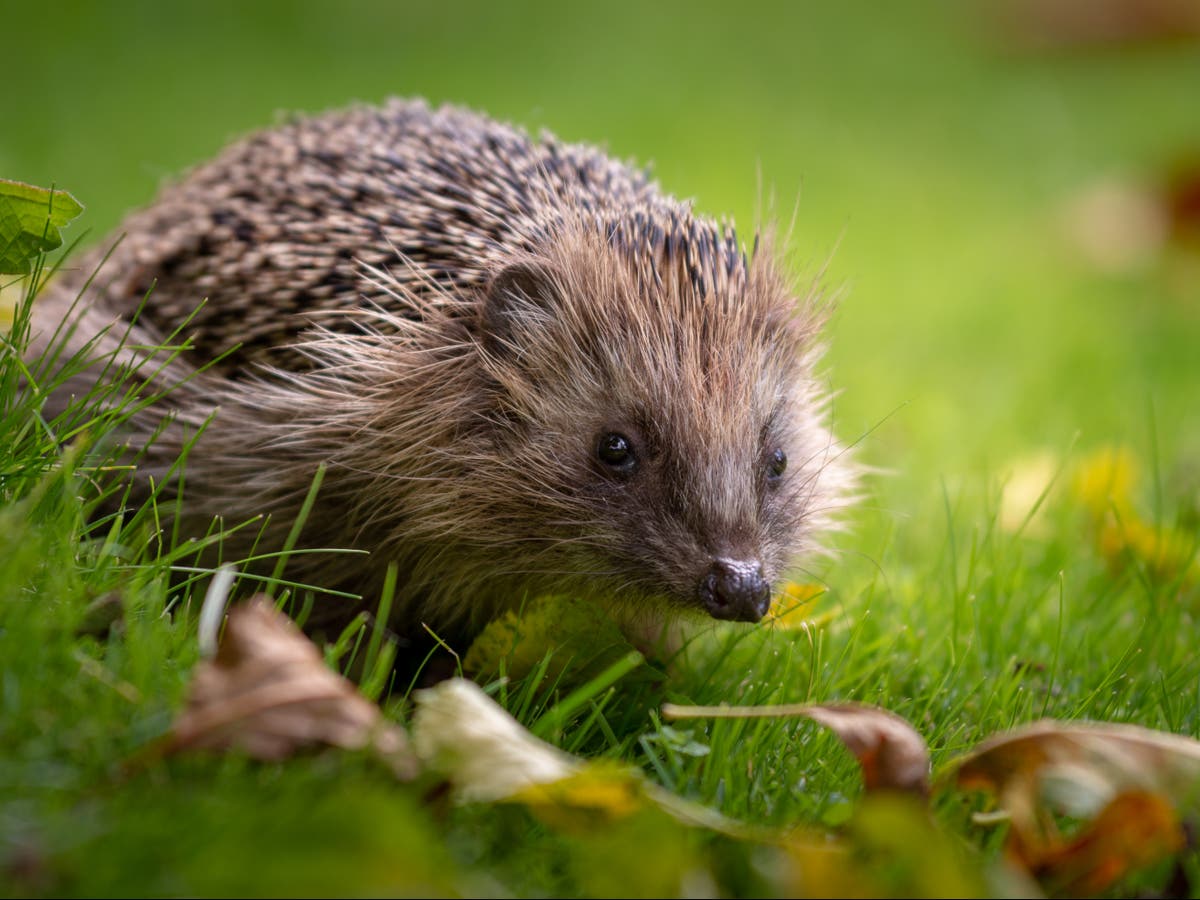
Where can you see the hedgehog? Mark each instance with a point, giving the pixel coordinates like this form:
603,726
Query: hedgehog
521,367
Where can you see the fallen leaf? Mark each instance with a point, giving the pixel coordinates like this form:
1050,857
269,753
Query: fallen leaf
893,756
1122,756
1129,784
575,632
1104,480
1104,484
1134,830
268,693
30,219
597,794
1168,554
460,731
488,757
793,606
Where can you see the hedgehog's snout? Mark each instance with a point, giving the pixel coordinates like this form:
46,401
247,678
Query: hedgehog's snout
735,589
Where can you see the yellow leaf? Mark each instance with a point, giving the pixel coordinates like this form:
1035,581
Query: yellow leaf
597,794
1165,552
1104,480
794,605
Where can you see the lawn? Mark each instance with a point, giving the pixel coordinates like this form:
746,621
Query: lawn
1011,313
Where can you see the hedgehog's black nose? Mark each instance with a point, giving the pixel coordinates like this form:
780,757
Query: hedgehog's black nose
735,589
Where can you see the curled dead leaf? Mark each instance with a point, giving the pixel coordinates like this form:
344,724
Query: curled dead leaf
1120,755
1128,784
892,754
267,692
1135,829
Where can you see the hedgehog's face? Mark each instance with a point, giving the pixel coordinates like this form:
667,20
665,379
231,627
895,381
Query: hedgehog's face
669,446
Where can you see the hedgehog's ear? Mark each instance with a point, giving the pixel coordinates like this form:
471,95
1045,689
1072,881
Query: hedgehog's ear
520,298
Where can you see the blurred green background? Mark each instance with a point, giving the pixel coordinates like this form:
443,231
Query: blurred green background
984,189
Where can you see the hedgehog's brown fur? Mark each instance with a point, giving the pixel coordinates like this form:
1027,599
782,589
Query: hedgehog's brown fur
445,313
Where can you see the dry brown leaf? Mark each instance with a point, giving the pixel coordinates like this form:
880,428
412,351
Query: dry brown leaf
1134,830
892,755
1122,756
268,693
1130,784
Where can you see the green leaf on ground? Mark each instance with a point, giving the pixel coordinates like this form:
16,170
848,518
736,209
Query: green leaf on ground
30,219
573,630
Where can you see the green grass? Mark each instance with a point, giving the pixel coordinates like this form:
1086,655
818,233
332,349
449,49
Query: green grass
970,336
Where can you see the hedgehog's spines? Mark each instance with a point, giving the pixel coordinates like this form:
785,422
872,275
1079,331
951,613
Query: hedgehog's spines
351,256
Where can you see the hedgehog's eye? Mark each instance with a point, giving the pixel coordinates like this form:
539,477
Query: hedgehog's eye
616,452
776,465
